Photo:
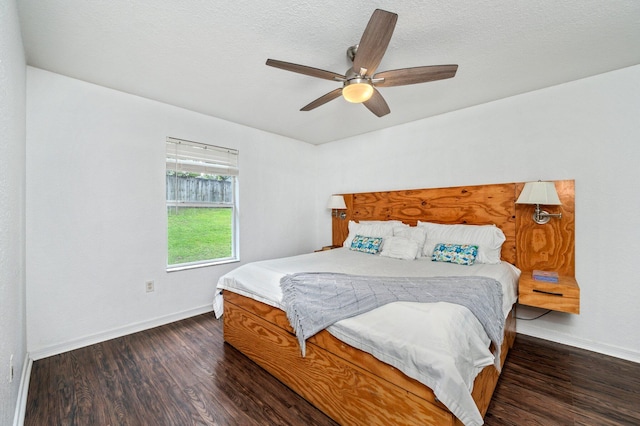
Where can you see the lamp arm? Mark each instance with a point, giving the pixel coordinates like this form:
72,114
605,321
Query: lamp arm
541,217
545,214
337,213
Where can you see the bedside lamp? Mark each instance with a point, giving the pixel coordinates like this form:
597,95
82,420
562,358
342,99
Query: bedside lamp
540,193
336,202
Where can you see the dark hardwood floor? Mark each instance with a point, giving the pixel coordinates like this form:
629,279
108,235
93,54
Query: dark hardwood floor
183,374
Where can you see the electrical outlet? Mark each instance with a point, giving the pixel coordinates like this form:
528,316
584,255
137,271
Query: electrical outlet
150,286
11,368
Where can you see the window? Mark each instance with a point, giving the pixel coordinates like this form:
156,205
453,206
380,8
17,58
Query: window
201,188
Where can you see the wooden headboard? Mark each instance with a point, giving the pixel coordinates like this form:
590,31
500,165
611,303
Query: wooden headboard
528,245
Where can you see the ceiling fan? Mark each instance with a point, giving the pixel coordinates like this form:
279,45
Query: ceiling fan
359,82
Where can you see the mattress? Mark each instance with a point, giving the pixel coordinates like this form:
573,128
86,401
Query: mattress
442,345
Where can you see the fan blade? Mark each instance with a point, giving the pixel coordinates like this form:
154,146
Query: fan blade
404,76
323,100
303,69
377,104
374,41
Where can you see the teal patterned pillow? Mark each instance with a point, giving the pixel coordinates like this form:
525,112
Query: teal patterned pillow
366,244
462,254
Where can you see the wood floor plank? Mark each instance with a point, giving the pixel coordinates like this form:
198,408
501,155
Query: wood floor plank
84,373
184,374
64,397
215,410
40,401
114,390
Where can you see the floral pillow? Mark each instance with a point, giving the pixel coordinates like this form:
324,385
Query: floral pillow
462,254
366,244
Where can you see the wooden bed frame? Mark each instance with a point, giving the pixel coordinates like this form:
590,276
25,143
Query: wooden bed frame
353,387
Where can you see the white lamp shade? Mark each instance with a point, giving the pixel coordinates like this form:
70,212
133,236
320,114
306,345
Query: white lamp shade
539,193
336,202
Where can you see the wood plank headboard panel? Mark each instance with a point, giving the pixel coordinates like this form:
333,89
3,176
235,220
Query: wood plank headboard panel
476,205
473,205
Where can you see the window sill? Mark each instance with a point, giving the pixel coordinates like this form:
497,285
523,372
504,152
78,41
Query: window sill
201,265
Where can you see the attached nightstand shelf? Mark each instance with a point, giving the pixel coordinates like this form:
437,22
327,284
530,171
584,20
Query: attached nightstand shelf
325,248
563,296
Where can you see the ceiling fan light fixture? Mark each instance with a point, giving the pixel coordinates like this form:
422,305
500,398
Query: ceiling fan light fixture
360,83
357,90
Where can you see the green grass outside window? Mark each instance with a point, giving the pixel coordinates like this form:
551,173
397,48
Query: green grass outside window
198,234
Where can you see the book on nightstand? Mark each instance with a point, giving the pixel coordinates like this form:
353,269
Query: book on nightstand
547,276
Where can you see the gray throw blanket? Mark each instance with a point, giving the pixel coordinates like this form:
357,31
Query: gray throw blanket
314,301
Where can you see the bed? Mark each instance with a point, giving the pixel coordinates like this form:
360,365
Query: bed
342,372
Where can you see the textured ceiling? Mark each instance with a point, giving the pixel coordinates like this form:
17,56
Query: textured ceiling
209,56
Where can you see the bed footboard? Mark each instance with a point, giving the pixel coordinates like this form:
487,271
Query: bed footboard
349,385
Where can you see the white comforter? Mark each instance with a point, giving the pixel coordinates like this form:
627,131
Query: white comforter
442,345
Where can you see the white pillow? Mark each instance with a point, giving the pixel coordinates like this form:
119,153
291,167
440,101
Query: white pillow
488,238
400,248
371,228
414,233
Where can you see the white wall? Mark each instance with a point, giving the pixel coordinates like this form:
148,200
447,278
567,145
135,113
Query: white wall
95,201
12,200
585,130
96,216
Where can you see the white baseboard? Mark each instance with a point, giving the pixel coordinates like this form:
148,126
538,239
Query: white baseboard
117,332
570,340
23,392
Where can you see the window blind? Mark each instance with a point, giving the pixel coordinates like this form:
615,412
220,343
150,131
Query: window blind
195,157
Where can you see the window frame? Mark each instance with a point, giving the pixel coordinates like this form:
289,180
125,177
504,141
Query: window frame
214,165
